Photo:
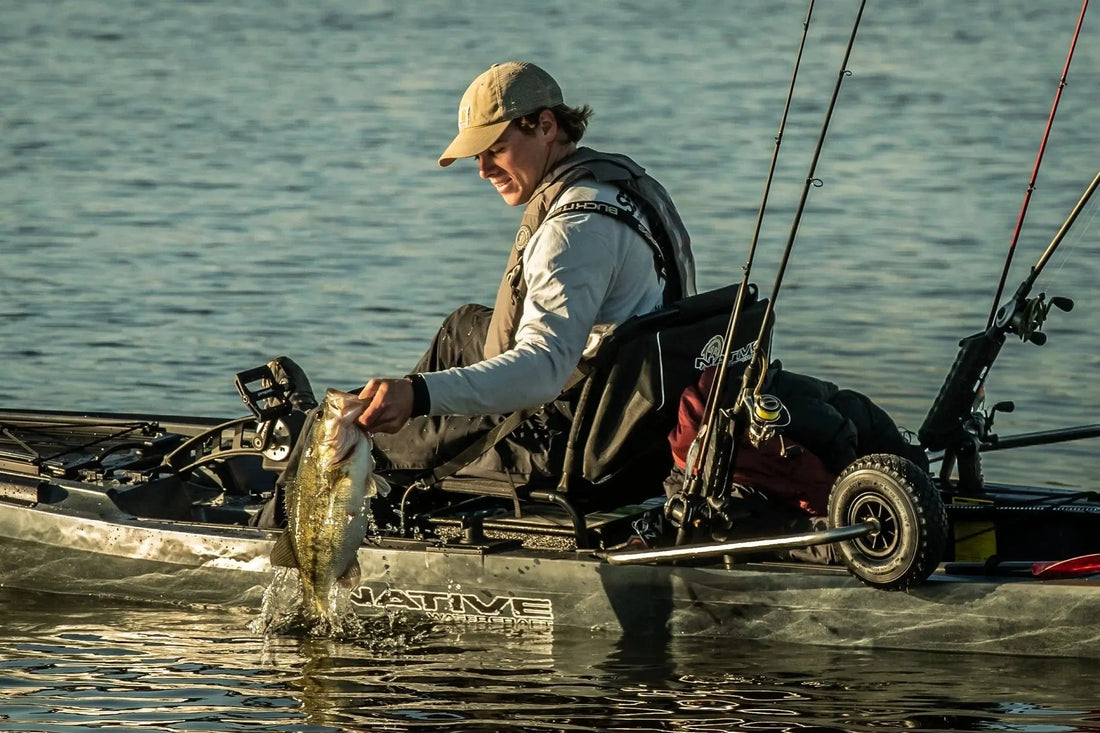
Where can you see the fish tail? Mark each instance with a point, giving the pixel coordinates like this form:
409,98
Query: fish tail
313,602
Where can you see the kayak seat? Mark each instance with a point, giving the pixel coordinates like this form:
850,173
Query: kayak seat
626,404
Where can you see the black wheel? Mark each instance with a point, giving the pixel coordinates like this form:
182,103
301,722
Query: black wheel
912,533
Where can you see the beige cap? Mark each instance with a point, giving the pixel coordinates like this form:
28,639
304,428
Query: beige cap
503,93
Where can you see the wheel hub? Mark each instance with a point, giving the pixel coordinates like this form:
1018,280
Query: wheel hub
871,507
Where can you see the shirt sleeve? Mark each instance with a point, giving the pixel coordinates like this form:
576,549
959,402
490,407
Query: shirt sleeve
569,266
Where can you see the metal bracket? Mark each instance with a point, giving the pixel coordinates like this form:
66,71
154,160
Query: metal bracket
267,401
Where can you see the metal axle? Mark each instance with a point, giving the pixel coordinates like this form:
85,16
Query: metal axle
717,549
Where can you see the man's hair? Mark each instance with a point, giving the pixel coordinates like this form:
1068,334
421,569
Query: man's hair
573,121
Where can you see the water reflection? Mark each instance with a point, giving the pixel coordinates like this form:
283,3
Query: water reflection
108,664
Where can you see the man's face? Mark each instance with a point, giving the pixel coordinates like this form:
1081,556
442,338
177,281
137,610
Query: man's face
516,163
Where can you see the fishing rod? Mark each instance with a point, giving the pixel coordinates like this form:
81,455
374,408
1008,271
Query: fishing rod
697,451
763,413
811,181
1035,168
955,423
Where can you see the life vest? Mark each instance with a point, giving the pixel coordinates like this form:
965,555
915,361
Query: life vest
666,233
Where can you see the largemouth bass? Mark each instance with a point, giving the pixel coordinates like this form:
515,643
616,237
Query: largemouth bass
328,502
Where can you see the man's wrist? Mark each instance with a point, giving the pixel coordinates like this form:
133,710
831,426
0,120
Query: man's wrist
422,400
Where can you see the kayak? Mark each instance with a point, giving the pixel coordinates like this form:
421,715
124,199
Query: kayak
164,508
91,504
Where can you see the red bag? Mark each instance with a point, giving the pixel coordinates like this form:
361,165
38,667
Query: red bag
782,469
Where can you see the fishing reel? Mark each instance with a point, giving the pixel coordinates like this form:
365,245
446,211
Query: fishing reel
1025,317
766,416
700,502
958,423
950,423
703,503
965,458
700,517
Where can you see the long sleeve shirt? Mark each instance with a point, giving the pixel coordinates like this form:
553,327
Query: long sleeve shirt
584,273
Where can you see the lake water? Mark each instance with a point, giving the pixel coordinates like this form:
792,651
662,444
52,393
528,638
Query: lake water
97,665
190,188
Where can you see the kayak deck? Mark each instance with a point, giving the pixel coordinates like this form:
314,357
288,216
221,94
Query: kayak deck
86,507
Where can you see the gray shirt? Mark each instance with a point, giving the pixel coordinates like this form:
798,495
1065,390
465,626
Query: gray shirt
585,273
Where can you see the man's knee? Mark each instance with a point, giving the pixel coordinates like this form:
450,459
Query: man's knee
460,340
471,312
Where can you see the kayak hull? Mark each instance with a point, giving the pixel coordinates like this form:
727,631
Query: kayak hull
506,585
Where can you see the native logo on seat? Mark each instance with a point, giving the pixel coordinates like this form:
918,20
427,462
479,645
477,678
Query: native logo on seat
711,355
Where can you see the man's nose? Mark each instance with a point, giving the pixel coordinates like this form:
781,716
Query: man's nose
484,165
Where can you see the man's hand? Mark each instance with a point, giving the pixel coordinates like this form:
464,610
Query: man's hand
391,405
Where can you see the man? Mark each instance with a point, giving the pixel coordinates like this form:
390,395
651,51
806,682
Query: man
600,242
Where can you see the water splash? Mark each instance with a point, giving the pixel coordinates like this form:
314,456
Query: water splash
284,613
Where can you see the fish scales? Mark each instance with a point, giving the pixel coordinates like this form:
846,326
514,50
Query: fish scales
327,501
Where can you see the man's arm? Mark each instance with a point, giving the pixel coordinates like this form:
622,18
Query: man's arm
569,267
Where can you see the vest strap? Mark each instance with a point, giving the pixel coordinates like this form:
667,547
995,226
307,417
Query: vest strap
673,259
622,215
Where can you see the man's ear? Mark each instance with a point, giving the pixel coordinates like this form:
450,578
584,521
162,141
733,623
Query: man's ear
548,124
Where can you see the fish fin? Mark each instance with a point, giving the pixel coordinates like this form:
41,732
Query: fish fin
351,576
381,486
282,554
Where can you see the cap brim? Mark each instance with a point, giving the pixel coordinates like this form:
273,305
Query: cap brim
472,141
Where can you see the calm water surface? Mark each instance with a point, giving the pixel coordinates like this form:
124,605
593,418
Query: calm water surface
108,665
189,188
